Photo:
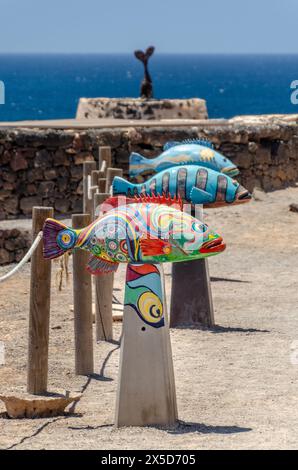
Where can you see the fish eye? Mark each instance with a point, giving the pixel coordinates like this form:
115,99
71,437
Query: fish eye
197,227
225,159
93,240
66,239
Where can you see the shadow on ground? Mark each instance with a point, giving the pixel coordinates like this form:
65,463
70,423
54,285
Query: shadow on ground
218,329
188,427
224,279
235,329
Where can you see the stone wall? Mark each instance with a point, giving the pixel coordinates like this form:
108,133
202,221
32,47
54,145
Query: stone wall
14,243
44,166
138,108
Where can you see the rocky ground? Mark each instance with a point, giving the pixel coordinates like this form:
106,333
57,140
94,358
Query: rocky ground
236,383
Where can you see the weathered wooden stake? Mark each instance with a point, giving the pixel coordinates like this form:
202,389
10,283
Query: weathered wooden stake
111,173
82,302
102,185
146,386
88,167
191,297
39,310
105,154
95,175
103,293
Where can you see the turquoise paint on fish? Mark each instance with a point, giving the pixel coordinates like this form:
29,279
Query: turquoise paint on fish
193,152
194,184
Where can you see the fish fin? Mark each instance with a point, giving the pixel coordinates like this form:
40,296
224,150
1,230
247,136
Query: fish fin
121,200
199,196
160,199
99,266
154,246
115,201
144,56
170,144
122,186
203,142
149,51
53,243
138,164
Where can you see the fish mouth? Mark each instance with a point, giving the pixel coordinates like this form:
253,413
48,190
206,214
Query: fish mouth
214,246
244,196
231,171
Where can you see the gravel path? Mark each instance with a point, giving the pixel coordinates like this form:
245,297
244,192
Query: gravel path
236,384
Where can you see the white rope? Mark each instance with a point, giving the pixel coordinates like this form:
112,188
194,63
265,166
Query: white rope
90,187
103,166
24,260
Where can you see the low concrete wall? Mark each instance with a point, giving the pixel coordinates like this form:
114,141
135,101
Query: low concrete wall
44,166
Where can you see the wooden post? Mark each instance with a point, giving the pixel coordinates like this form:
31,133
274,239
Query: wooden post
191,297
82,305
39,312
146,387
105,154
102,185
95,178
88,167
95,175
111,173
103,293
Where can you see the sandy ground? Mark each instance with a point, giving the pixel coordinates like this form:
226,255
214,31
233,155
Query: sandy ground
236,384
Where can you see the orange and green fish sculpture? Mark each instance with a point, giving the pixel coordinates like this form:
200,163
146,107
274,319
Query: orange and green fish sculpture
142,232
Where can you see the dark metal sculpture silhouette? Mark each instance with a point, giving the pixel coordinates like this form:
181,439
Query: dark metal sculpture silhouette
146,85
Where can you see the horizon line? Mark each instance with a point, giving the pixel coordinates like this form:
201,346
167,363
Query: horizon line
132,52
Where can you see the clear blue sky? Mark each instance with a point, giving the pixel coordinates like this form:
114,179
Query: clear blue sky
196,26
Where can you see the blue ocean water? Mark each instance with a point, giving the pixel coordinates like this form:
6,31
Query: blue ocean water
49,86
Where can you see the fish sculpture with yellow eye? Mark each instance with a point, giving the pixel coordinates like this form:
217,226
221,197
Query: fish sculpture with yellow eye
141,232
188,152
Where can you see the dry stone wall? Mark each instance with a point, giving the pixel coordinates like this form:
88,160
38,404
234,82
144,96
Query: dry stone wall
14,243
44,166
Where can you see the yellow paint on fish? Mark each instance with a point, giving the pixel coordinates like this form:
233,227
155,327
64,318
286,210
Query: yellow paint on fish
206,154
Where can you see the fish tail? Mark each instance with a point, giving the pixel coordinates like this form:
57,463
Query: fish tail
57,238
122,186
138,164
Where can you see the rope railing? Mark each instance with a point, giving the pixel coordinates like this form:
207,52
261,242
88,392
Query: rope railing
23,260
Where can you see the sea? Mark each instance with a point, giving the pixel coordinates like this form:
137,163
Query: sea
49,86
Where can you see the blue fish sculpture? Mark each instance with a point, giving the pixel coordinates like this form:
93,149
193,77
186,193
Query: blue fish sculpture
188,152
192,183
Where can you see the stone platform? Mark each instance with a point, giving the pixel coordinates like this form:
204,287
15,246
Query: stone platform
138,108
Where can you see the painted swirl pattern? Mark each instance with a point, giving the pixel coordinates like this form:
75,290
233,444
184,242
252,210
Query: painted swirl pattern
143,293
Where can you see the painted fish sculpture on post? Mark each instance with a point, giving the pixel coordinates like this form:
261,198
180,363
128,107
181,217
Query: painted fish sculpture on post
194,184
136,233
188,152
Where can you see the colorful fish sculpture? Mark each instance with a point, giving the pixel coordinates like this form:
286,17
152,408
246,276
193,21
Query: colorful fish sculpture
134,233
194,184
188,152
